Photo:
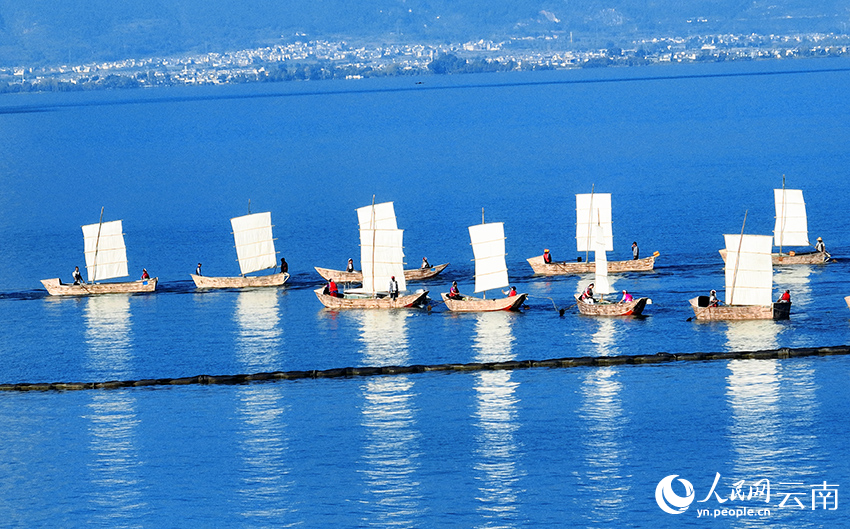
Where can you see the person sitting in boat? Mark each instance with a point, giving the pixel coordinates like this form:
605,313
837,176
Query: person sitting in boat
512,292
627,298
454,292
78,278
284,266
425,263
785,297
331,289
587,295
393,288
712,299
145,274
350,267
821,247
198,270
547,257
635,251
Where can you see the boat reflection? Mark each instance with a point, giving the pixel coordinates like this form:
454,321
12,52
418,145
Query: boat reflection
258,343
266,486
117,491
603,438
496,464
752,335
391,448
108,336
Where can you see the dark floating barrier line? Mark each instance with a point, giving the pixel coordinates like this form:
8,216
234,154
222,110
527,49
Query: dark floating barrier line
581,361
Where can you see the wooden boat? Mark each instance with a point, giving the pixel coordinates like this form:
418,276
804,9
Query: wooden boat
603,285
381,258
106,258
749,283
411,274
558,268
592,209
791,229
609,308
491,271
255,251
847,300
367,301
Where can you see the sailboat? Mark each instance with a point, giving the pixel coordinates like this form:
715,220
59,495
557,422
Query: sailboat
791,229
749,283
603,286
255,251
106,258
491,271
590,209
381,258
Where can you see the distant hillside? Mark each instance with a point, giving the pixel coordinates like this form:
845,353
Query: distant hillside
38,32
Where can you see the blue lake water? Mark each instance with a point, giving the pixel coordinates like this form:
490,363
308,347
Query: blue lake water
685,151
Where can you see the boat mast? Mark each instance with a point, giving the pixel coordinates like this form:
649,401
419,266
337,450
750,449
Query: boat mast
784,216
96,245
738,259
589,226
483,294
374,236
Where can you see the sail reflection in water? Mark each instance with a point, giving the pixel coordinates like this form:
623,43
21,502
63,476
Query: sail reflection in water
753,393
108,336
752,335
496,456
389,460
263,445
116,490
259,341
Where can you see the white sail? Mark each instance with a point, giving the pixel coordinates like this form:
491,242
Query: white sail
381,258
791,227
488,247
592,210
254,242
749,271
106,255
601,283
380,216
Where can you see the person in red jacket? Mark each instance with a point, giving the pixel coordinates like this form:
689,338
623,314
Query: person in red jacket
547,257
785,298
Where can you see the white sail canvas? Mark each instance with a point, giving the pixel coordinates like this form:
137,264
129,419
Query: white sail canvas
254,242
488,247
106,255
749,270
601,283
380,217
791,227
381,258
591,210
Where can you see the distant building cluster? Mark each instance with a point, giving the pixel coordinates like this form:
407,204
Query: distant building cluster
321,59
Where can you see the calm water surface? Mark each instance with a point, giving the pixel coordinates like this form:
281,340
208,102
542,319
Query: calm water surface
685,152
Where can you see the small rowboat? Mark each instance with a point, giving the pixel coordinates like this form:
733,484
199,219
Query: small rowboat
368,301
413,274
792,258
272,280
631,308
847,300
55,287
572,268
471,304
776,311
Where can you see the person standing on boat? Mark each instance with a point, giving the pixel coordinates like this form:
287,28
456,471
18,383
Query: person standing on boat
425,263
393,288
785,297
627,298
78,278
587,295
145,274
712,299
454,292
198,270
547,257
284,266
350,266
635,251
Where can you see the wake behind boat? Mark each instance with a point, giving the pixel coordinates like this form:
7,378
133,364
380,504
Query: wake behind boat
106,258
255,251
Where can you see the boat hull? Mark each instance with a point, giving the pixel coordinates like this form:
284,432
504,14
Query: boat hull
470,304
273,280
413,274
560,268
410,300
847,300
55,287
775,311
632,308
805,258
